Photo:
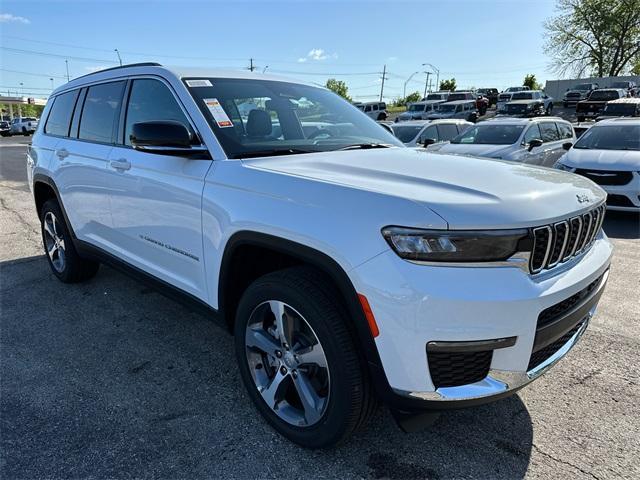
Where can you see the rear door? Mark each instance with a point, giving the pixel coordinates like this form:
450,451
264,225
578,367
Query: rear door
81,171
156,199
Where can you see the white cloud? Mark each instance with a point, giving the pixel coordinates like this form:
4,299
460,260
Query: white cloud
7,17
317,54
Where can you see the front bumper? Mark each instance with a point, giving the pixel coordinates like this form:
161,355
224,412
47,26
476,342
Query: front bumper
417,304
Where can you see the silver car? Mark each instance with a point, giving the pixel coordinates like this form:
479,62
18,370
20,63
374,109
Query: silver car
464,109
415,133
537,141
419,110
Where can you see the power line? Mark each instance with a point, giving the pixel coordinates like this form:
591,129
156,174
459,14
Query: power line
47,54
31,73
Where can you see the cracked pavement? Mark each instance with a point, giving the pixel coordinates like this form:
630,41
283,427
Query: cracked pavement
109,379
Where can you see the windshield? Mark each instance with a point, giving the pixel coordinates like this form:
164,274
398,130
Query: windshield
604,95
522,96
458,96
490,135
416,108
262,118
583,86
448,108
620,108
620,85
434,96
611,137
406,133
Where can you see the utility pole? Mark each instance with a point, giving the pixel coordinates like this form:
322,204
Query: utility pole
118,53
51,84
384,75
251,67
426,84
66,62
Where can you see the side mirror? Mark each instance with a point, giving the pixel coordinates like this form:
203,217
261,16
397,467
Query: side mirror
428,141
164,138
567,145
536,142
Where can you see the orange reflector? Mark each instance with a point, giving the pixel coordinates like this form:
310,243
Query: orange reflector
373,326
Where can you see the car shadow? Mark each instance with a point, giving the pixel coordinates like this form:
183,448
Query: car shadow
110,379
625,225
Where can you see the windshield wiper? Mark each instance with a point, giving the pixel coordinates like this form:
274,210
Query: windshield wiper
272,152
365,146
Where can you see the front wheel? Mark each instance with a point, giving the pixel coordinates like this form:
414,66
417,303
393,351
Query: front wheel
61,254
297,358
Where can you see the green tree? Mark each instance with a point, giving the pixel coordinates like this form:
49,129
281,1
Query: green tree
339,87
412,97
636,68
531,82
593,36
449,85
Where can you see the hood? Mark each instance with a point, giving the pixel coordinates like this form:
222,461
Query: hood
467,192
619,160
523,102
491,151
436,116
410,115
574,92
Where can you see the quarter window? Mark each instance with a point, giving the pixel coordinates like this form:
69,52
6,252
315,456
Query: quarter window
549,132
100,112
151,100
61,113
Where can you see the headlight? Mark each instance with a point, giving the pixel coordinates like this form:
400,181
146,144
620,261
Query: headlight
456,246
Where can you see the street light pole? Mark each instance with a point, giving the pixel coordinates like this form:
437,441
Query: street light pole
404,90
437,70
66,62
118,53
51,84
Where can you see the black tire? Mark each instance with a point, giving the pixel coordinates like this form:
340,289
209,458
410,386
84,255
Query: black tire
25,132
73,269
565,105
382,116
351,400
549,109
580,119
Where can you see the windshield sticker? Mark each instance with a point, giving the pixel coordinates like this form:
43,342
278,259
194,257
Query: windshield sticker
218,113
199,83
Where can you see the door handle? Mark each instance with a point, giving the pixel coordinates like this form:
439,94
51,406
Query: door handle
120,164
62,153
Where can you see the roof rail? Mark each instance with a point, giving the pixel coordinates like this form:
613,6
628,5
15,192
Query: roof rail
141,64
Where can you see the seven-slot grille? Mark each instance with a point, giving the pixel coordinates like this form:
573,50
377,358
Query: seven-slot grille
561,241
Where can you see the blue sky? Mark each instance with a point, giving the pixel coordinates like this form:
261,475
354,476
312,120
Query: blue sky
480,43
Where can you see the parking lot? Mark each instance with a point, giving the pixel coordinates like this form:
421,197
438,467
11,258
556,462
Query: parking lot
111,379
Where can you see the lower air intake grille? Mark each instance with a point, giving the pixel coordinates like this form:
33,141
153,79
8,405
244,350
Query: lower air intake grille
453,369
545,353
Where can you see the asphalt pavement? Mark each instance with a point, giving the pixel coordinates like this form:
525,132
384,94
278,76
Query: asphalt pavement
109,379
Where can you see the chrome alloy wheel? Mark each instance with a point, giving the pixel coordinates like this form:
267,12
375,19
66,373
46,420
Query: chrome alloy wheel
287,363
54,241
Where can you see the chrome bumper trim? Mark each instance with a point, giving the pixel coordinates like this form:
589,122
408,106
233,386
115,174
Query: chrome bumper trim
499,381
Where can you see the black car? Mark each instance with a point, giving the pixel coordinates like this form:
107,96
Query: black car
5,129
628,85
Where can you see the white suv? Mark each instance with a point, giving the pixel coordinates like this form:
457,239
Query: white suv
348,267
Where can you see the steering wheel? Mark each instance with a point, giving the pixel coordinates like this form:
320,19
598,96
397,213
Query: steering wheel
318,132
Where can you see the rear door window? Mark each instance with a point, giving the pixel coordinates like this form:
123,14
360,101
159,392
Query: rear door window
549,132
447,131
61,113
100,112
565,130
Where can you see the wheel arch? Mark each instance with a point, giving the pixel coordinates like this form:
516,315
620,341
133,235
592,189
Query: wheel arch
231,284
44,188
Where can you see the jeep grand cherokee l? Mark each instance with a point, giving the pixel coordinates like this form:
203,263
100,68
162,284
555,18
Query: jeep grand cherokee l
347,266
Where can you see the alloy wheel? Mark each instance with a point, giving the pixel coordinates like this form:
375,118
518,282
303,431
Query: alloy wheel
287,363
54,241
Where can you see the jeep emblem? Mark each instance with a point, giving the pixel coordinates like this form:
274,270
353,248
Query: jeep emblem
582,198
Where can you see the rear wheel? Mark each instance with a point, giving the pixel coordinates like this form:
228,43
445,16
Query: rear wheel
63,259
580,118
298,361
